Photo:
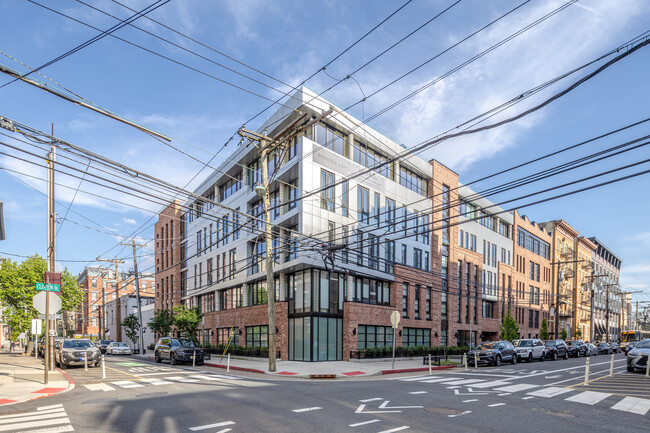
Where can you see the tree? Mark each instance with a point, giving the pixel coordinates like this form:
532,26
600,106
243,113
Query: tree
18,288
543,331
577,334
187,321
162,322
509,329
131,327
563,334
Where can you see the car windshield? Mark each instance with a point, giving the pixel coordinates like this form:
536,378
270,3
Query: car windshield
550,343
77,344
572,343
522,343
645,344
119,345
486,346
107,341
186,342
603,345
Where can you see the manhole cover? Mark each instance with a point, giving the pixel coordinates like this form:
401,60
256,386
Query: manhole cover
442,410
152,394
99,400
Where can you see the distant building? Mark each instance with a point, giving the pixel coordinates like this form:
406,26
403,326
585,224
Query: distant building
128,305
611,307
99,286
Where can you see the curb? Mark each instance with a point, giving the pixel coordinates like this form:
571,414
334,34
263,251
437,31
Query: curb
71,386
246,369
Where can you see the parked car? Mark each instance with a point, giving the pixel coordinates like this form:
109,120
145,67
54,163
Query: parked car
592,349
616,348
577,348
556,349
529,349
492,353
104,344
603,348
118,348
631,345
74,351
177,350
638,357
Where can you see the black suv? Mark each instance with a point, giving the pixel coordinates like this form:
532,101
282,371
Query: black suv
556,349
492,352
178,350
577,348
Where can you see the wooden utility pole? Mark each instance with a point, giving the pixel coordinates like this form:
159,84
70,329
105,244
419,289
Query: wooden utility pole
137,293
51,252
118,311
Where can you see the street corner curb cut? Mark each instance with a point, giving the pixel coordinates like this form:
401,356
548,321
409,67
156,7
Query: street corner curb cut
71,386
415,370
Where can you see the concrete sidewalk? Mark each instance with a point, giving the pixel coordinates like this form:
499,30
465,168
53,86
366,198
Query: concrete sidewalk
338,369
21,379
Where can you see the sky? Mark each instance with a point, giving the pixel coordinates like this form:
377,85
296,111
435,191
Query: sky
457,60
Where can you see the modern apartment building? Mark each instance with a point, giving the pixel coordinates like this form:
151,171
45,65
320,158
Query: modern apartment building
100,286
583,280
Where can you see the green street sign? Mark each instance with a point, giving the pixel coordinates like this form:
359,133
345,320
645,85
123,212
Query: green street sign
47,287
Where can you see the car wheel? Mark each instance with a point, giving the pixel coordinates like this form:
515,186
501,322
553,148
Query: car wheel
542,358
566,355
62,365
172,359
554,356
98,363
514,359
497,361
530,357
157,358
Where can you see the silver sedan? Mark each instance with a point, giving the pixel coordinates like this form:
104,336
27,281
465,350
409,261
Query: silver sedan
118,348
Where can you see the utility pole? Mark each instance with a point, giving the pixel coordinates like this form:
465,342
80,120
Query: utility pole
137,294
118,311
51,251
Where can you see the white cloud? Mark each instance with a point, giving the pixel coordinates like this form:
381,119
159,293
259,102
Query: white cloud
129,221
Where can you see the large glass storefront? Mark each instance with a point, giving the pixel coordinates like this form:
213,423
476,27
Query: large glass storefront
316,315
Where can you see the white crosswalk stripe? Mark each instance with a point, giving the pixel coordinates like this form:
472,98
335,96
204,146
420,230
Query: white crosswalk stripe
127,384
588,397
551,391
464,382
99,387
491,384
633,405
45,419
517,388
181,379
155,381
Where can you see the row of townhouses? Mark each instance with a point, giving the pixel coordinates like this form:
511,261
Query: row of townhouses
405,236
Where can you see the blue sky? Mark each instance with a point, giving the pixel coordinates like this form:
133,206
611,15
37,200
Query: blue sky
290,41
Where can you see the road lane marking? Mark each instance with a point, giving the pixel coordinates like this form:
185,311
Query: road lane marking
516,388
496,404
549,392
464,381
306,409
459,414
527,398
588,397
207,426
469,401
54,406
633,405
18,415
491,384
418,392
404,427
370,399
364,423
156,382
505,393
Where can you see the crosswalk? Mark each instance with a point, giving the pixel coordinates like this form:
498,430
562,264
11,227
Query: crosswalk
45,419
639,406
167,380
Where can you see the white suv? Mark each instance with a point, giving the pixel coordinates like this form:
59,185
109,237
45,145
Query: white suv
529,349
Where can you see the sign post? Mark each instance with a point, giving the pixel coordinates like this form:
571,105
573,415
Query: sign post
394,320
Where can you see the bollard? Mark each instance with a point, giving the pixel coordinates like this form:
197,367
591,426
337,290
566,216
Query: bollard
194,360
429,364
587,371
228,367
647,367
465,360
86,362
475,360
103,368
611,366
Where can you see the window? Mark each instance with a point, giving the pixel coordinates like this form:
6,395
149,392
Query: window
209,270
257,336
233,263
230,298
93,296
228,334
390,215
211,238
532,243
359,248
226,229
369,336
428,303
346,241
345,198
424,229
412,181
328,137
488,309
390,257
417,302
199,245
200,274
235,225
254,174
405,300
257,293
416,337
371,291
93,283
327,195
291,194
404,254
426,260
233,185
377,209
363,204
367,157
417,258
373,251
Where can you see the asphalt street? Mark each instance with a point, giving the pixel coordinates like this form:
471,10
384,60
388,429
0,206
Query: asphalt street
141,396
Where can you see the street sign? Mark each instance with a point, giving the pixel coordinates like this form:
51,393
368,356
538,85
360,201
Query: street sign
47,287
39,302
394,318
36,326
